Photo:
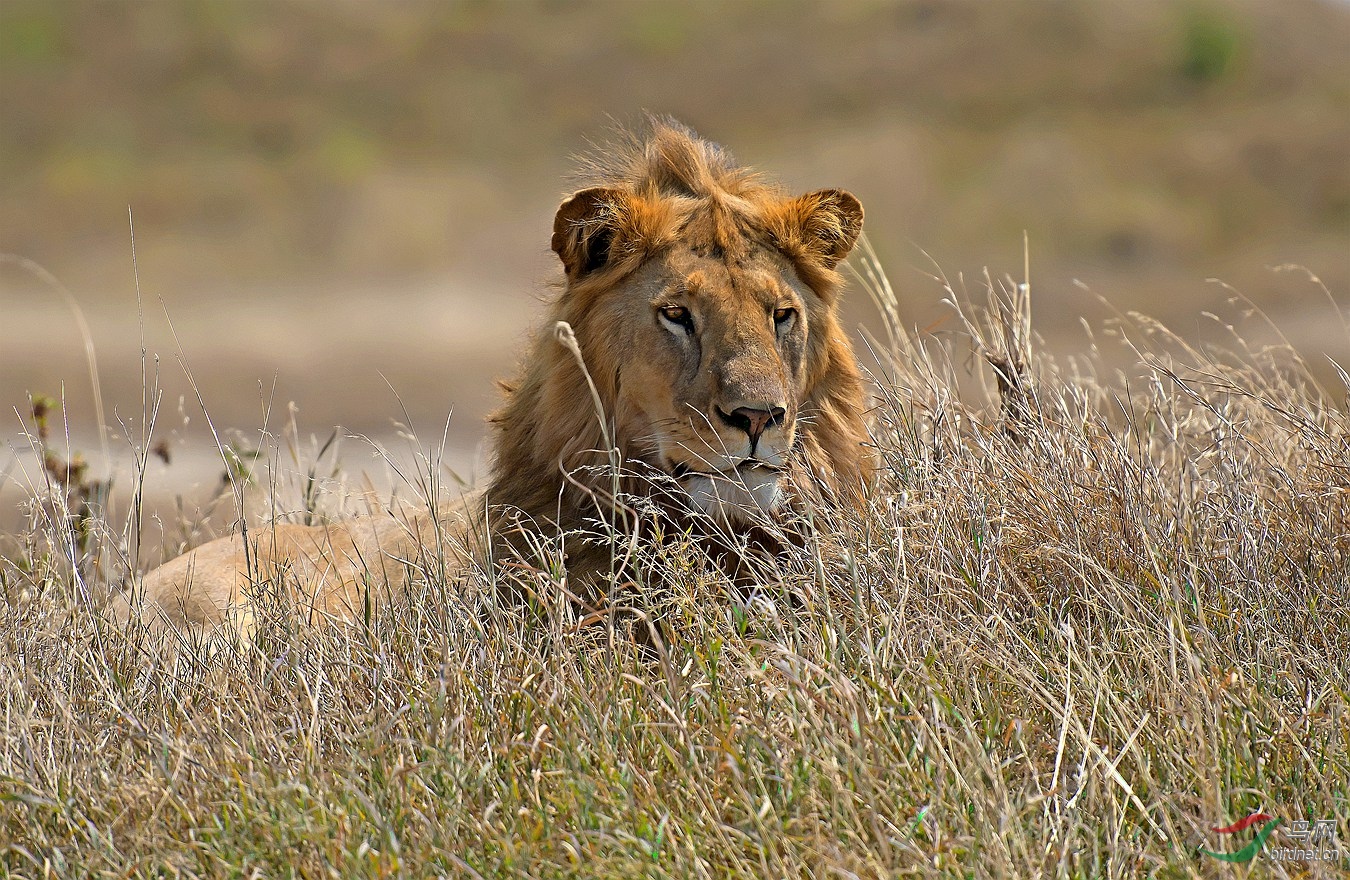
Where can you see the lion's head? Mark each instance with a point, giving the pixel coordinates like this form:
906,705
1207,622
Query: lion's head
704,302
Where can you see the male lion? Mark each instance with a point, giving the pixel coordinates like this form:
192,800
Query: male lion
702,302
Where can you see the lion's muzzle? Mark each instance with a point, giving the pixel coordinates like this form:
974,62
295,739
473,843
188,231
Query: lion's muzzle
739,495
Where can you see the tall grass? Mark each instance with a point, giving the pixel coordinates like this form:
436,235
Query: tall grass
1084,618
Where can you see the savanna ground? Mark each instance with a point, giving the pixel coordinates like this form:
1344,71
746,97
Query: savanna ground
1088,615
1083,619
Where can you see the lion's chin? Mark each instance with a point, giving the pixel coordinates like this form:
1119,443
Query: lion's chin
741,497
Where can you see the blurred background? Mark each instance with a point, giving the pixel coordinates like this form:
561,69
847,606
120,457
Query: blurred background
342,209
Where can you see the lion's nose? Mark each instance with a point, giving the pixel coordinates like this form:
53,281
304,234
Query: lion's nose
753,420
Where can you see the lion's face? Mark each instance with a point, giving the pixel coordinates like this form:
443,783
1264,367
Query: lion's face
722,349
711,330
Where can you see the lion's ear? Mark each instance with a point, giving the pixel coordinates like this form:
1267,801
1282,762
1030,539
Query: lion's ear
584,229
823,225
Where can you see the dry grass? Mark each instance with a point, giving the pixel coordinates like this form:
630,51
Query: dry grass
1078,626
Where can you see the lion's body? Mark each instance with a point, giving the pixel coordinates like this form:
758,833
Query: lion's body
324,572
703,304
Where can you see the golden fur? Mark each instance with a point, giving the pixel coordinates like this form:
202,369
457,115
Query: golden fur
703,303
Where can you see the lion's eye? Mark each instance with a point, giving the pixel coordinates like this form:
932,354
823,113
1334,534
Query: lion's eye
782,316
679,315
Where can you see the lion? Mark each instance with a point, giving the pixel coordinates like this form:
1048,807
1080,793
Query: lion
693,358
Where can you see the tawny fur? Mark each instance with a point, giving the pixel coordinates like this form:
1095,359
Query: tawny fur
669,226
